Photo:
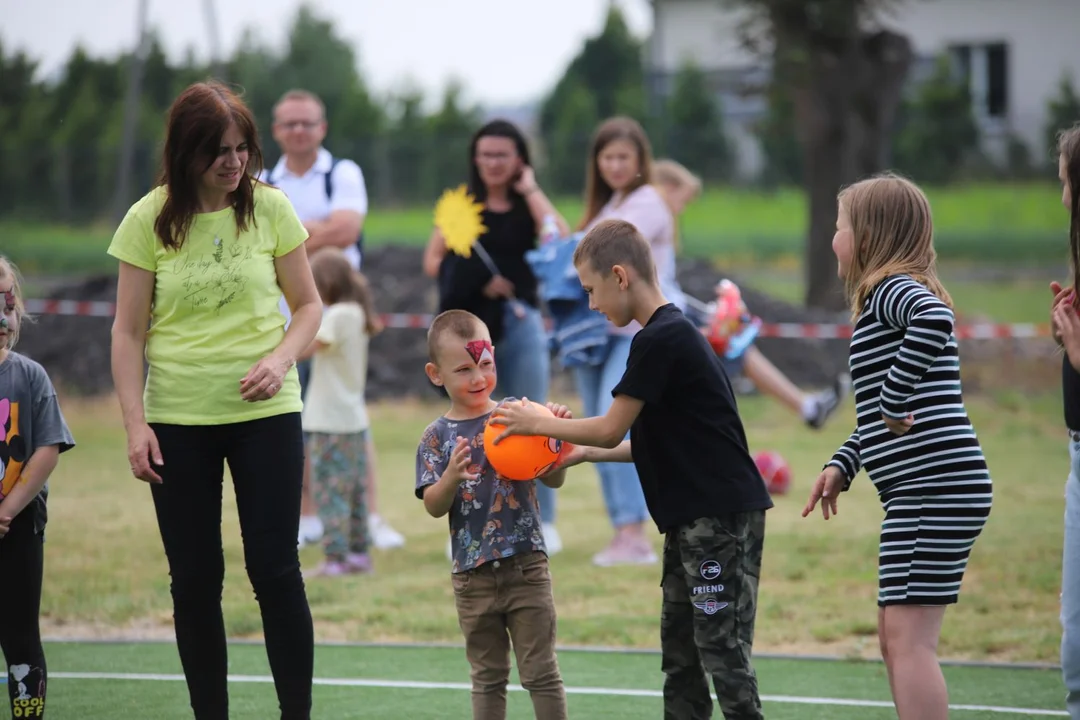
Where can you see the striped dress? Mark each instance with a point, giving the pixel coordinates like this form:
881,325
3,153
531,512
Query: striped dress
933,480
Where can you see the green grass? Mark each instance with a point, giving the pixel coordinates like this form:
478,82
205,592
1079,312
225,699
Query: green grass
1022,223
784,685
818,584
1019,299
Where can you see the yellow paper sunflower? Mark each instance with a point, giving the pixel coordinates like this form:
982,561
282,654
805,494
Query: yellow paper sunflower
458,217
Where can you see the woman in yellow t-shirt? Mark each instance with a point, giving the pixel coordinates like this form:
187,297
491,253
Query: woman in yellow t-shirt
204,257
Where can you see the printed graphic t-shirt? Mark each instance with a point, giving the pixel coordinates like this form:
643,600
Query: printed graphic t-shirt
30,418
215,308
491,517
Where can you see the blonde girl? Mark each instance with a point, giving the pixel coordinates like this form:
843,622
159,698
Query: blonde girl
33,436
680,187
913,435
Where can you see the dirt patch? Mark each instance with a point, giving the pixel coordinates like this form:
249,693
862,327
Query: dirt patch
75,350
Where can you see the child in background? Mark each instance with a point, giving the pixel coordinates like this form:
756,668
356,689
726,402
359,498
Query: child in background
679,187
912,435
500,575
335,414
34,434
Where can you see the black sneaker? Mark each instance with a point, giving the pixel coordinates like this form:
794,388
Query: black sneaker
826,402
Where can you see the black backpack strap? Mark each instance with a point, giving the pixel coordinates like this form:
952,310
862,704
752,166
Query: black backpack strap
329,180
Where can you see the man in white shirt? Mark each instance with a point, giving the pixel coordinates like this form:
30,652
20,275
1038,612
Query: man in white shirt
330,197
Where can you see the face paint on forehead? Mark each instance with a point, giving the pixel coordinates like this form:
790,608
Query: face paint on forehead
479,350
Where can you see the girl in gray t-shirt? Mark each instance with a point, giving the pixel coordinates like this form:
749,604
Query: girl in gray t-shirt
32,436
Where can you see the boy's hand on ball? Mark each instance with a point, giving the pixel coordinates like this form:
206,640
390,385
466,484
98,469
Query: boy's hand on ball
572,455
560,411
460,460
519,418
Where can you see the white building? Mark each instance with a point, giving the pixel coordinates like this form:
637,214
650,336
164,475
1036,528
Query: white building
1012,51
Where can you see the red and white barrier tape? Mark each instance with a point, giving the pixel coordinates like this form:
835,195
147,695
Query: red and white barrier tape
825,331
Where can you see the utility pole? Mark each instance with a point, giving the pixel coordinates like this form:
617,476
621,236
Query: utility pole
132,101
217,69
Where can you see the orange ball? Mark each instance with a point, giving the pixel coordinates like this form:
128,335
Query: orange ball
521,457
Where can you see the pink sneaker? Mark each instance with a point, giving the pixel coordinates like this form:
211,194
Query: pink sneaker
626,551
330,568
358,563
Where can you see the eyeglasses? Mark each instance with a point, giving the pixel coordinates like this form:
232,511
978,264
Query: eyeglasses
298,124
494,157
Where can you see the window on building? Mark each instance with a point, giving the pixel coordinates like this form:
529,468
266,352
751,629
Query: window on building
985,67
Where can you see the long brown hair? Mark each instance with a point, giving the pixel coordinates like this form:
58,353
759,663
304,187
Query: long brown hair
1069,150
197,120
598,192
893,234
337,282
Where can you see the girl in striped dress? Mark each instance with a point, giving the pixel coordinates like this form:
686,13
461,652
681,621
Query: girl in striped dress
913,435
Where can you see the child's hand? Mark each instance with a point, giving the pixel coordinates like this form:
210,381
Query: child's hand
460,460
899,427
560,411
570,456
826,489
5,526
519,418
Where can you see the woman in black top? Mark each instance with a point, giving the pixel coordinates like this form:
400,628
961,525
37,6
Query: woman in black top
1066,327
515,210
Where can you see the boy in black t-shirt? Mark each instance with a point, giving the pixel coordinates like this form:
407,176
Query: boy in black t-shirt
701,485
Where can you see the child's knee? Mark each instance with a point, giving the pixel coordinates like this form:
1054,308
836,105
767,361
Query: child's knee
490,678
540,674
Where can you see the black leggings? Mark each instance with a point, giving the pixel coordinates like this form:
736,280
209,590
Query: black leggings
266,460
21,562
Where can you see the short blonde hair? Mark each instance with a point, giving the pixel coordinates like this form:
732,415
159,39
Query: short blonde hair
9,270
893,234
616,242
674,174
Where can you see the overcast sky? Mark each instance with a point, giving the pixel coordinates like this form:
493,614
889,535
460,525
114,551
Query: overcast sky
428,41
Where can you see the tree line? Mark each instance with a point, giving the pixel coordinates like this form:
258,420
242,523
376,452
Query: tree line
61,139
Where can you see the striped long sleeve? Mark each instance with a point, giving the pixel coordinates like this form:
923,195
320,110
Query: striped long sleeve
847,458
927,322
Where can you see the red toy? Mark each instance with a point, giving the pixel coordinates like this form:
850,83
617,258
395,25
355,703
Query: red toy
774,471
731,326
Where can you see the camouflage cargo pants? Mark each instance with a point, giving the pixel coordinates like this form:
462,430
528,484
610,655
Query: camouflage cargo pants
710,584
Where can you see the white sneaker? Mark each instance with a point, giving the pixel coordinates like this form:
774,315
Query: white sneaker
383,536
551,539
311,530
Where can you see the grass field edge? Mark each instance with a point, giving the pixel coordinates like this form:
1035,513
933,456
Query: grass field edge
598,649
570,690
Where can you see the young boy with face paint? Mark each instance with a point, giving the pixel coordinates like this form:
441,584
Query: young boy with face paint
502,585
